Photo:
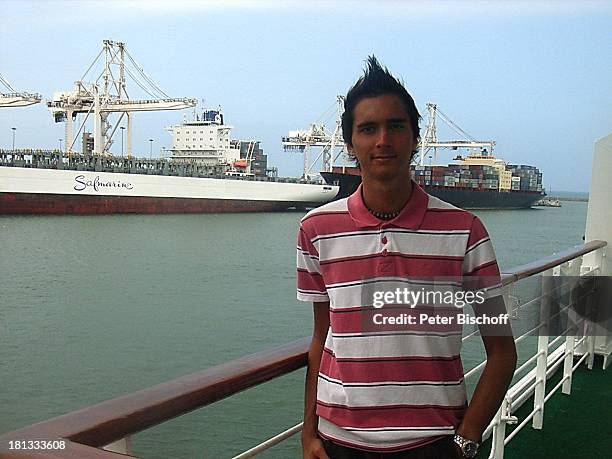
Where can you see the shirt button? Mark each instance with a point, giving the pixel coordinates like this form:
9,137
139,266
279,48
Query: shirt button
384,252
384,239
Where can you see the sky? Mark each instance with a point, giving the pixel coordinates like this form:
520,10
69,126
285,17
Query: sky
532,75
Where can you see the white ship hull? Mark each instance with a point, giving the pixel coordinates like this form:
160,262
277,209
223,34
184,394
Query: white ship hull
52,191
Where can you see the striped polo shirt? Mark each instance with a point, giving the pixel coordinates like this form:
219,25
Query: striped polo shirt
385,387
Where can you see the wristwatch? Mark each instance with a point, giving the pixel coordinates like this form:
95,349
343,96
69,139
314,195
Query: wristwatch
469,448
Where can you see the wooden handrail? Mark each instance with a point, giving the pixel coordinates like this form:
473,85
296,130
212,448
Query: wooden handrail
112,420
109,421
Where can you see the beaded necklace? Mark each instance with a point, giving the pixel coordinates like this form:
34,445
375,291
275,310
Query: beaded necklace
381,215
384,215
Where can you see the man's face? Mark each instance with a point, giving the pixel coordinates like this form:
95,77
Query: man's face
382,138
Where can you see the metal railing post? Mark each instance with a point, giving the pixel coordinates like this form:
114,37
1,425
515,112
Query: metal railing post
498,435
542,359
573,271
597,261
498,439
590,344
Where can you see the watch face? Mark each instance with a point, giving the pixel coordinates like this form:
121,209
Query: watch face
470,449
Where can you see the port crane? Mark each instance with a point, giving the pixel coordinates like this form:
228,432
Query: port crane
12,98
429,140
108,94
318,136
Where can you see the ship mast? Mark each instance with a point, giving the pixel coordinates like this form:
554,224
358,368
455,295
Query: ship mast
108,94
12,98
318,137
429,140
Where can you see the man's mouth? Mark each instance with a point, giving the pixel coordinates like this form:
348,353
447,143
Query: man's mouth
384,157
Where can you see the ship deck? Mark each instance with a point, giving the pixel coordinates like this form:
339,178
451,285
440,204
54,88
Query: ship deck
577,425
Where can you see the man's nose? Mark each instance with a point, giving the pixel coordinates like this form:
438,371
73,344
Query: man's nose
383,137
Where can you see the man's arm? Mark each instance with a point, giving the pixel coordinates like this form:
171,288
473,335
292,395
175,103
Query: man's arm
496,376
312,446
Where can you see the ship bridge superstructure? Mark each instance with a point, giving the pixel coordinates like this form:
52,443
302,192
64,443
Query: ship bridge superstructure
12,98
204,140
108,94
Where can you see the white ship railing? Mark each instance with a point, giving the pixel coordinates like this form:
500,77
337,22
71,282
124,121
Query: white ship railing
542,364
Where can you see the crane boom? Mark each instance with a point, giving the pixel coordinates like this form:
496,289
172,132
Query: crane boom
13,98
108,94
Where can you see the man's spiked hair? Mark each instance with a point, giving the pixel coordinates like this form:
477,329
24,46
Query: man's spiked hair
377,81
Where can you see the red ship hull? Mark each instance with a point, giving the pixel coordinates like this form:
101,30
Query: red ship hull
62,204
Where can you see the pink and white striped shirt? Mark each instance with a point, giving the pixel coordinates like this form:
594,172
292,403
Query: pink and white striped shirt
390,387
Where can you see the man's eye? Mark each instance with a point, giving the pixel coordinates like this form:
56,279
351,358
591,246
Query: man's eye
367,129
398,126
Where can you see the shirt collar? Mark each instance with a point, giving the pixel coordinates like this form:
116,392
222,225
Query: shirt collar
410,217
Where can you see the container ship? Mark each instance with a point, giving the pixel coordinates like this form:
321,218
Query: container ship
206,172
473,182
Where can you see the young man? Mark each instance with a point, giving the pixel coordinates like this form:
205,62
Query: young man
374,390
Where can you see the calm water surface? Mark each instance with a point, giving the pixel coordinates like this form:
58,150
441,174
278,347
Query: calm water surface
95,307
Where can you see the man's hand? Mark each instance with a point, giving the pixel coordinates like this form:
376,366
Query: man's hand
312,447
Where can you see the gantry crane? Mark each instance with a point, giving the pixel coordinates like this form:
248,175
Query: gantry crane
13,98
108,94
429,140
317,136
